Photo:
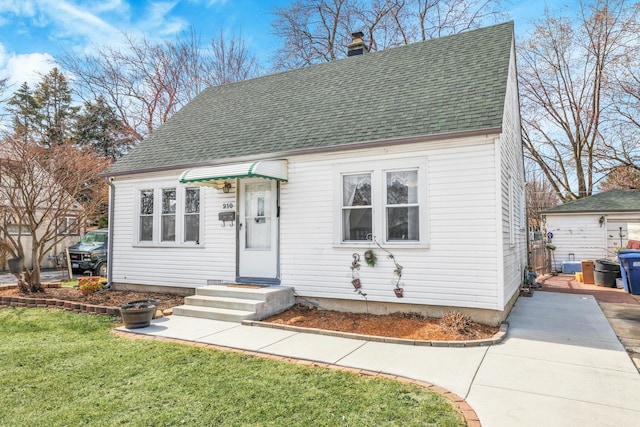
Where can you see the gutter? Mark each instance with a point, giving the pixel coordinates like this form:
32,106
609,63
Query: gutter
112,197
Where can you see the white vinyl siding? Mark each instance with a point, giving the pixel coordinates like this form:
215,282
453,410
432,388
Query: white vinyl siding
455,264
180,265
511,211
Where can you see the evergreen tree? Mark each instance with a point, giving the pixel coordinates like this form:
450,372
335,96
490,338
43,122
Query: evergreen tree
56,113
25,113
99,129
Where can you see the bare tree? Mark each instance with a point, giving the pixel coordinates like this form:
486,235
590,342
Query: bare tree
314,31
228,61
540,196
146,82
41,189
622,147
565,64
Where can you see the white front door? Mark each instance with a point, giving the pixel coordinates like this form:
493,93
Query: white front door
258,229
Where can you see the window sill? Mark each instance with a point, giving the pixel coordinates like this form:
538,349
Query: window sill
168,245
385,245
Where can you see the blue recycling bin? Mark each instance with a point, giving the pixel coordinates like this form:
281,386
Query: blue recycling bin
630,263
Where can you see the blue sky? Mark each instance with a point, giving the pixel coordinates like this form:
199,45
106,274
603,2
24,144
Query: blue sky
34,32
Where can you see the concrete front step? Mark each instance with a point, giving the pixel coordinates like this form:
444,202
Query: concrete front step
235,304
213,313
223,302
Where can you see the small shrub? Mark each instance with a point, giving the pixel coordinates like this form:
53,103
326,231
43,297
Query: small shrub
90,284
455,321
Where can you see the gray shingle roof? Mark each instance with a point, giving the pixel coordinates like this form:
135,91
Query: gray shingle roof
451,84
608,201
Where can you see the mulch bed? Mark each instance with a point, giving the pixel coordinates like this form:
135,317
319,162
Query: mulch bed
407,326
103,298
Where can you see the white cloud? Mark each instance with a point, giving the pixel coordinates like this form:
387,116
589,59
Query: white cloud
74,21
157,20
27,68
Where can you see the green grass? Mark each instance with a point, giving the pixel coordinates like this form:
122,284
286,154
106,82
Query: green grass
61,368
69,284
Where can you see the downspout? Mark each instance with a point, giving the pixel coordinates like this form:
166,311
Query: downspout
112,197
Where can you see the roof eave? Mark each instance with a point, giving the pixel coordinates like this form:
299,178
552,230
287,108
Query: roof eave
591,211
314,150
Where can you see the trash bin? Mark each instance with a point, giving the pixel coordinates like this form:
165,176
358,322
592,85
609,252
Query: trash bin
587,272
606,272
606,265
630,262
605,278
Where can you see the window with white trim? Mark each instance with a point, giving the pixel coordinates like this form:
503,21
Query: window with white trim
383,199
192,214
356,207
512,213
402,208
169,216
68,226
146,216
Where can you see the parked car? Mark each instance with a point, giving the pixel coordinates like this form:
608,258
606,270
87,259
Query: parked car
90,254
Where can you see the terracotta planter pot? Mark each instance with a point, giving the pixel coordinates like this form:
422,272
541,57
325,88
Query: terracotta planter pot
398,292
356,283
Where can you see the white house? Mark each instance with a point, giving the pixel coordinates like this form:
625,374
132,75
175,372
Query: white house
281,179
593,227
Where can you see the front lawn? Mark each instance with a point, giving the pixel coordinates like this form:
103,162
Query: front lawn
62,368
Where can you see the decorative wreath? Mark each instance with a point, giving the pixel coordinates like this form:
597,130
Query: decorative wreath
370,258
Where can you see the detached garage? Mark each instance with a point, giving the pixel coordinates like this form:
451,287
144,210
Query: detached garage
593,227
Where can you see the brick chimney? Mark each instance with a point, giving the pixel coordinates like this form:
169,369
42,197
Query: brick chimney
357,46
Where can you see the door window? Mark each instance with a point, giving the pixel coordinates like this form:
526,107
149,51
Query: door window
258,216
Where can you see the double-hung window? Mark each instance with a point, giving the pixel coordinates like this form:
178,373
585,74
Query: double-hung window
169,215
192,214
146,216
382,200
357,212
402,207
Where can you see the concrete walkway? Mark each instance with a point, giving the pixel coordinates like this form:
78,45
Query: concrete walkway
561,364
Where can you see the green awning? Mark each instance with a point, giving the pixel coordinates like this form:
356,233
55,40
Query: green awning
213,176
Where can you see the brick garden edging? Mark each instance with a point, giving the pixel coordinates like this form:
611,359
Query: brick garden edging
19,301
469,415
497,338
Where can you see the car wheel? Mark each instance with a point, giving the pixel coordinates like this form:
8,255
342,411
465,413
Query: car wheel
101,269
